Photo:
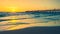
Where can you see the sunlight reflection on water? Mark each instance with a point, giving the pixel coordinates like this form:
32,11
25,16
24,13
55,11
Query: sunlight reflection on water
17,21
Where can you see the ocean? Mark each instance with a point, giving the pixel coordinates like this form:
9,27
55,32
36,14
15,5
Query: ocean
30,22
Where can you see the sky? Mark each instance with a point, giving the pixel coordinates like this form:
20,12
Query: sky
25,5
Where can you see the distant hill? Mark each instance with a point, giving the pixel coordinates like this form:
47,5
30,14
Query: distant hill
53,10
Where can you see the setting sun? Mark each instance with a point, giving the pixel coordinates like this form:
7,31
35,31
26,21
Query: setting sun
12,9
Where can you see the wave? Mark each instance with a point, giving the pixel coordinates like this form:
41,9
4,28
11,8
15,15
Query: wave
37,18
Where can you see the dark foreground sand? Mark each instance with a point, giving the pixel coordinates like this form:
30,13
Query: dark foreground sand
35,30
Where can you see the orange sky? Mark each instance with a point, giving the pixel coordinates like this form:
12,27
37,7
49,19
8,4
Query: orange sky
24,5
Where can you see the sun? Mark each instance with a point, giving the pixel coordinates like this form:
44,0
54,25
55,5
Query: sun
12,9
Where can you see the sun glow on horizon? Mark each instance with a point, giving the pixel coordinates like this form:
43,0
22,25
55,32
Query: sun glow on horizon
26,5
12,9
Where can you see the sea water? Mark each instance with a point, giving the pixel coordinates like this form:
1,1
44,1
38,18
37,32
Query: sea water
10,20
